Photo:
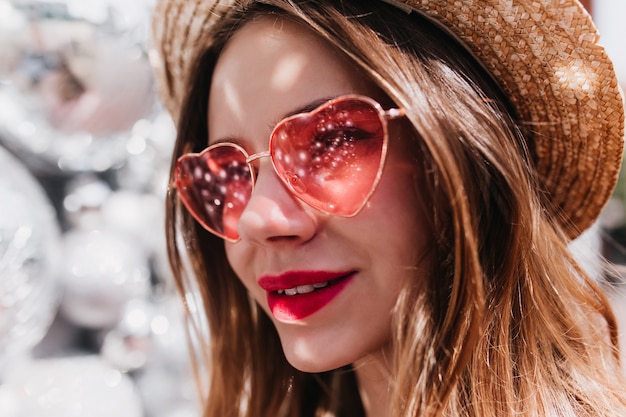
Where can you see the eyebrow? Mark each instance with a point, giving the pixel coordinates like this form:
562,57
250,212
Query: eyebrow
306,108
227,139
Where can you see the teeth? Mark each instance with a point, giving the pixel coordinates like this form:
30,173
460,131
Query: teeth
303,289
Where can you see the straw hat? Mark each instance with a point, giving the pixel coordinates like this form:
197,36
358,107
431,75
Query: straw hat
544,53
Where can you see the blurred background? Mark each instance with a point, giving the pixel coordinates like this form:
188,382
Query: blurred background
89,321
89,324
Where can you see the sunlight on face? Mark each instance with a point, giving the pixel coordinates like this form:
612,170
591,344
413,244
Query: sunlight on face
288,72
281,73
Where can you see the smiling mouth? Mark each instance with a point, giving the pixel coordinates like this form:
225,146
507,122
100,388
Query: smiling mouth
301,282
300,301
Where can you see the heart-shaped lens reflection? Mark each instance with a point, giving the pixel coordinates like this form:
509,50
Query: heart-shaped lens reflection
331,158
215,185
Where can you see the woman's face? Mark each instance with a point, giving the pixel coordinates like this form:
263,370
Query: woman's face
346,273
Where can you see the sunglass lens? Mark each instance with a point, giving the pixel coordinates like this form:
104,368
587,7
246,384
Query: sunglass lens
215,186
331,158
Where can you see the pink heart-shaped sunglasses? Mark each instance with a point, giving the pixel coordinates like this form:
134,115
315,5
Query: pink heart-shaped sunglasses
330,158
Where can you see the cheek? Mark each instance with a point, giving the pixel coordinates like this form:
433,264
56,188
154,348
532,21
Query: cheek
239,261
402,207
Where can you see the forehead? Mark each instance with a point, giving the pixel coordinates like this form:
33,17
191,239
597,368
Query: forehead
272,66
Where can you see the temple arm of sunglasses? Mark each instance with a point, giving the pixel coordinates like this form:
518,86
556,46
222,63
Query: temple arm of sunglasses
394,113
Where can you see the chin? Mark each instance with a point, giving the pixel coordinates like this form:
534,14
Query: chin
313,366
309,361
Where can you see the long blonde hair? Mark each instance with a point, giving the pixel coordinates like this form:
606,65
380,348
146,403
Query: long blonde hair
509,323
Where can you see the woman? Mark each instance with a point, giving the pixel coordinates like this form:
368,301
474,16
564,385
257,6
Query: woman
375,201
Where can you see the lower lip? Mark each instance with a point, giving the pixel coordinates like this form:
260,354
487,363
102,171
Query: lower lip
299,306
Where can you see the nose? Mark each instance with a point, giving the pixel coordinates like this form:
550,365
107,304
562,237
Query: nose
273,215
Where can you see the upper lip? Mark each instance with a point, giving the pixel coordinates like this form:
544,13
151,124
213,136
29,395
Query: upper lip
294,279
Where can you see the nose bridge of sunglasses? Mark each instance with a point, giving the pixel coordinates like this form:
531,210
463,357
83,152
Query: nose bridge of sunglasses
252,158
292,180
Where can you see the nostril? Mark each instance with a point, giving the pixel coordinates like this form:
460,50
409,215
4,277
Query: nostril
289,238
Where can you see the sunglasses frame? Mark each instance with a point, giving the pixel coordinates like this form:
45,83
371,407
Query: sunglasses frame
383,115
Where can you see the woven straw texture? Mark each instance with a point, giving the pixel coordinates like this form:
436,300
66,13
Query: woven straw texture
545,55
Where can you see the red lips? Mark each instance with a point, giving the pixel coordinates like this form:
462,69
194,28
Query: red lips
298,294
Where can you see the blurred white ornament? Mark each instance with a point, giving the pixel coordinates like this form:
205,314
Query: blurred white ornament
85,194
171,348
150,333
102,272
140,216
149,153
150,340
164,396
68,387
29,254
74,78
129,345
163,138
166,382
